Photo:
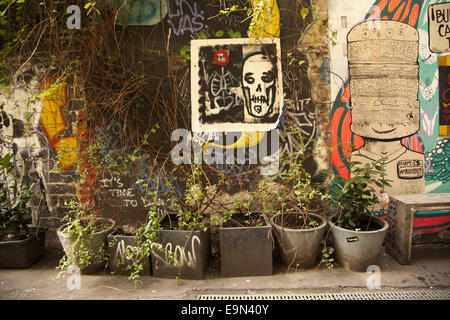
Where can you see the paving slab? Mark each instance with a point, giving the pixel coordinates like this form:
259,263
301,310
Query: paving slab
428,270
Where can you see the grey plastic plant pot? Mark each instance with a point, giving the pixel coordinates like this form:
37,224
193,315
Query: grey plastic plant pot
97,247
357,250
118,262
22,254
181,253
300,248
246,251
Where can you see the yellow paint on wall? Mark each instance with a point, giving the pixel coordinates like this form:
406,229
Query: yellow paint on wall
54,97
444,130
444,60
269,20
246,140
66,149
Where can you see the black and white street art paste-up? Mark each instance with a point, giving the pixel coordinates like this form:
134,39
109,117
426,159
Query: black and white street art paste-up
236,85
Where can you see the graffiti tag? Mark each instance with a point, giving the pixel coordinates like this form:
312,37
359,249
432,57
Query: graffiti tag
185,17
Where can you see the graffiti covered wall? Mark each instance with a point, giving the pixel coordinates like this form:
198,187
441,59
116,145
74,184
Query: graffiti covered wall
39,126
265,87
390,100
218,85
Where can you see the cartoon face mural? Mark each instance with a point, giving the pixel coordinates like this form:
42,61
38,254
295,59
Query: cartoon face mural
259,84
435,149
384,75
403,120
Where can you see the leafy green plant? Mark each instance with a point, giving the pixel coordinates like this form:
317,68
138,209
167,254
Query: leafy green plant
327,255
233,8
193,207
295,193
241,213
80,226
15,215
358,195
145,235
12,32
90,7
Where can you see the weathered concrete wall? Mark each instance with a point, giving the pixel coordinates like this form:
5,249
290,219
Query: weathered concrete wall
315,46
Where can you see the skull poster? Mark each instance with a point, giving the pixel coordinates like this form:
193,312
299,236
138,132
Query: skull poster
236,85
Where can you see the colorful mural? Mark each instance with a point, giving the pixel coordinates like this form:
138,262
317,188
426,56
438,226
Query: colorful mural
426,139
444,95
67,134
384,80
340,119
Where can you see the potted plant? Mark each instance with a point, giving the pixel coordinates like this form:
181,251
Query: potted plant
357,234
183,245
83,238
20,245
130,248
246,242
295,203
126,253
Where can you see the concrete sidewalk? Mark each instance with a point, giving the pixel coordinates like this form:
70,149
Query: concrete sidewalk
429,270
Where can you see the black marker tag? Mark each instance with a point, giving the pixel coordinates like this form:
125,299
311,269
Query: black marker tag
410,169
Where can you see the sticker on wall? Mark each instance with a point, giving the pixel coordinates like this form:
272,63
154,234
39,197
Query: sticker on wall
439,27
236,86
444,95
410,169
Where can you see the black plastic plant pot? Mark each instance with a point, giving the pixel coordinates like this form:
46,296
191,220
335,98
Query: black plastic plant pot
118,245
22,254
180,253
246,251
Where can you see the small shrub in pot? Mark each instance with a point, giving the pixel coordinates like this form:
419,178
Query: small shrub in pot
357,234
295,202
21,244
83,237
183,246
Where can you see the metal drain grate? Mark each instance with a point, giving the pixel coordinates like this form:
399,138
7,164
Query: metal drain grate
399,295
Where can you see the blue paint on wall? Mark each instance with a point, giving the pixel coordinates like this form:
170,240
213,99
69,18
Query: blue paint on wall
141,12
